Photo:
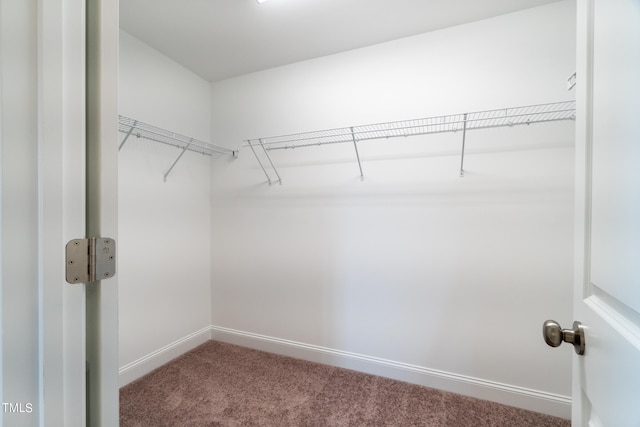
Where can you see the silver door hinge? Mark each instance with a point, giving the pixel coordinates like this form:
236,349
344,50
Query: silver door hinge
88,260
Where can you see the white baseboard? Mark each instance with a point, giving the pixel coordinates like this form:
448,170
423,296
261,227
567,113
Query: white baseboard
138,368
533,400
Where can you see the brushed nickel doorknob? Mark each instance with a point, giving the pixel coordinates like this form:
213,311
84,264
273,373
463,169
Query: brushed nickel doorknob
554,335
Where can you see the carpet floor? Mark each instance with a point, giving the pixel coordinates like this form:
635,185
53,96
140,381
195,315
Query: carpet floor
219,384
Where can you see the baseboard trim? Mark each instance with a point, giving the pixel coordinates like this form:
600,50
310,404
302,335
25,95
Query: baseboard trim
140,367
534,400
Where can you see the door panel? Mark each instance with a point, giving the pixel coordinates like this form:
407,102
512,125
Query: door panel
19,215
61,69
616,187
42,204
610,368
607,292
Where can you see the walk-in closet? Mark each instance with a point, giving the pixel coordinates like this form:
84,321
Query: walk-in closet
319,212
403,209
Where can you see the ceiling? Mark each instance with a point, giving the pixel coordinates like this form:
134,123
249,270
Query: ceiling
219,39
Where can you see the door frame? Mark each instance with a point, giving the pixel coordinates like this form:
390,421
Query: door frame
102,207
584,116
77,81
61,201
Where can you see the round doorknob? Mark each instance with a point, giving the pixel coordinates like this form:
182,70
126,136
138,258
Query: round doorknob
554,335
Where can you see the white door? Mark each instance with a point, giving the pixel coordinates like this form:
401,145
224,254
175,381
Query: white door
606,388
44,346
42,206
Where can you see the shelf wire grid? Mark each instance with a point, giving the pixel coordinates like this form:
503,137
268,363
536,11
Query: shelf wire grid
131,127
512,116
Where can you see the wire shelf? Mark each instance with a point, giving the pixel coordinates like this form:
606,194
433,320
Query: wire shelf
450,123
131,127
140,129
511,116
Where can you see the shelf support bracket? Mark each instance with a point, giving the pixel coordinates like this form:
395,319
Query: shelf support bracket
259,162
262,164
270,162
571,81
128,135
355,145
464,136
176,161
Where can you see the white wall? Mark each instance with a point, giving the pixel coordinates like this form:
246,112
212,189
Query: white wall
164,247
421,274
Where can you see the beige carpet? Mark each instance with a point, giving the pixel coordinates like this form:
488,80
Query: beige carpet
219,384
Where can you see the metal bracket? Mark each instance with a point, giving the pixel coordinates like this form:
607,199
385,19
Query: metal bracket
355,145
266,153
464,137
91,259
129,132
571,81
178,159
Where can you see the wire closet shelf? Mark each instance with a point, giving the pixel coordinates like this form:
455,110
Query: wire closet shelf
510,116
131,127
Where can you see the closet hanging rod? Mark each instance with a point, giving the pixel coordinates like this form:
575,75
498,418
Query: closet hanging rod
510,116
